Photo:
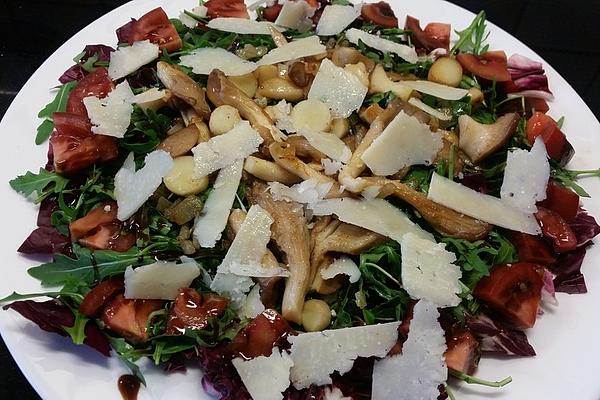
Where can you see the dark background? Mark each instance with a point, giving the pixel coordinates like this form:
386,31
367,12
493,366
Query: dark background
566,33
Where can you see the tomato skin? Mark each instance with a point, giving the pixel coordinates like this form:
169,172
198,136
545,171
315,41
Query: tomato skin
73,125
99,296
104,213
532,249
562,201
272,12
109,236
380,13
226,8
463,351
258,338
436,35
555,140
128,317
192,310
156,27
513,290
97,83
491,65
556,229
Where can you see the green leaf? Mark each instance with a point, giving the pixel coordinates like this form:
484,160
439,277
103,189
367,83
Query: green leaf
36,183
14,296
77,331
59,104
87,266
471,39
126,353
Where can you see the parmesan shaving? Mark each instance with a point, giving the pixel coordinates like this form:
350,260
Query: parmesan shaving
128,59
296,15
111,115
436,89
203,60
308,46
343,265
387,46
335,18
308,191
266,378
328,144
243,26
161,280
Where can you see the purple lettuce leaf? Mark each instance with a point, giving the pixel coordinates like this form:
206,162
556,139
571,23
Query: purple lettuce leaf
497,338
220,376
569,278
585,227
124,32
475,181
76,72
548,290
520,66
46,240
144,77
53,316
528,77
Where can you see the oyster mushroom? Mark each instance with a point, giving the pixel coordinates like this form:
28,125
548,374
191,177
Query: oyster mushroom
183,87
290,233
221,90
332,236
480,140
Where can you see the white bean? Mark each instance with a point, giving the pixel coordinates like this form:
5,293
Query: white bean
311,115
181,180
316,315
223,119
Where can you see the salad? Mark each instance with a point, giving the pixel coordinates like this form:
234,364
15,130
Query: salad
307,199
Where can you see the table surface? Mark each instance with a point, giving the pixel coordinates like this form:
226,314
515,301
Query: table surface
564,32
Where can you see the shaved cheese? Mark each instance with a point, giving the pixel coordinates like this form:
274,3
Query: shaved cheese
483,207
429,110
436,89
203,60
221,151
212,222
341,90
266,378
282,117
147,96
233,287
428,271
404,142
190,22
111,115
243,26
250,245
316,355
334,393
387,46
133,188
308,46
376,215
335,18
525,177
296,15
331,167
253,305
160,280
204,275
328,144
342,265
308,191
129,59
371,192
419,370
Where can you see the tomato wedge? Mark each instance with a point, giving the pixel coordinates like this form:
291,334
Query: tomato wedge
532,249
463,351
128,317
379,13
555,140
97,83
259,337
156,27
272,12
110,236
98,297
562,201
192,310
227,8
103,214
513,290
491,65
436,35
556,229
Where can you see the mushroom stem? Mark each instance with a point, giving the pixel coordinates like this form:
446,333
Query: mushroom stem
183,87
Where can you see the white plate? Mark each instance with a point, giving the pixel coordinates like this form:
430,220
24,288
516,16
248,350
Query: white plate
566,339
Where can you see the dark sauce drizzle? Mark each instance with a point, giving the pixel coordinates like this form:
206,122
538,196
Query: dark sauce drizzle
129,386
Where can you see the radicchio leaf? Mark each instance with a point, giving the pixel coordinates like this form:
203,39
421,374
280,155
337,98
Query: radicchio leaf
53,316
548,290
76,72
125,31
498,339
585,227
569,278
475,181
45,240
529,78
220,377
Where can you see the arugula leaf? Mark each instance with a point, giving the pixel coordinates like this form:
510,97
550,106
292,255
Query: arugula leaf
471,39
14,296
29,183
87,266
146,131
126,354
59,104
568,177
383,99
77,331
